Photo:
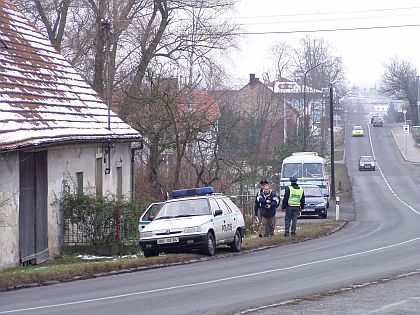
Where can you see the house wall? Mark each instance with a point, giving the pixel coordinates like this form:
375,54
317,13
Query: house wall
65,162
9,206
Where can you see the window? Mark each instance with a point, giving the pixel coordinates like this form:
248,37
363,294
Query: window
312,170
231,205
213,204
153,211
223,206
292,169
79,182
98,177
119,182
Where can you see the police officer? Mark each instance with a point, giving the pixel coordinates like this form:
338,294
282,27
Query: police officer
268,203
257,210
293,203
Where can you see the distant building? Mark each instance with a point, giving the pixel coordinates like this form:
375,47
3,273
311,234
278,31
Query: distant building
296,94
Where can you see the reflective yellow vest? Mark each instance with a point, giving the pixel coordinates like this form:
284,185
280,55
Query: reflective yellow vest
295,196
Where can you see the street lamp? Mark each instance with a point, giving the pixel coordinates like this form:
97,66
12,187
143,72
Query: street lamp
305,109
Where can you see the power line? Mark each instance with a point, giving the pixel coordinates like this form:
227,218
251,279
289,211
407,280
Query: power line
326,13
341,19
328,30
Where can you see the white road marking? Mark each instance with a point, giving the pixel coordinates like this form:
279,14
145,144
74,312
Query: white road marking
392,305
111,297
386,181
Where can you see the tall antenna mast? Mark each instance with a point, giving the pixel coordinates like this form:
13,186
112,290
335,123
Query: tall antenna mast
107,27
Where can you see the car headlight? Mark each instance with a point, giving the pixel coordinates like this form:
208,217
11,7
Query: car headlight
193,229
321,204
146,234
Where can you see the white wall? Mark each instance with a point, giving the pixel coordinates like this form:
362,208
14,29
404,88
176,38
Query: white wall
63,164
9,209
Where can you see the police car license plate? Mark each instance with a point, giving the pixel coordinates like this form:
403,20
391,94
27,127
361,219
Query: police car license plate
168,240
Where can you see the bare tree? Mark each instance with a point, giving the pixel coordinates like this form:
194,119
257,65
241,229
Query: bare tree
399,80
396,77
141,30
282,58
317,54
51,14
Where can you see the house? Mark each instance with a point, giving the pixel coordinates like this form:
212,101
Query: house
268,115
296,94
54,131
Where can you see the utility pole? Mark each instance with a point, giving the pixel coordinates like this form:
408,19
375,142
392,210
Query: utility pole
332,184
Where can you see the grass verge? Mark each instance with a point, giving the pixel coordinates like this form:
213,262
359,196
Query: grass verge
70,267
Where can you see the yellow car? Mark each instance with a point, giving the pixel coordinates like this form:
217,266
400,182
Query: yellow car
357,131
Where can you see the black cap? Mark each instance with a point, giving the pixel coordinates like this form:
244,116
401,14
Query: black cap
264,182
293,179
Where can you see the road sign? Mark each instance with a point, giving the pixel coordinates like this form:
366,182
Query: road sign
406,128
404,111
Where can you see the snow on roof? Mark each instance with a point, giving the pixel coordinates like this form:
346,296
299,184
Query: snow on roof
42,98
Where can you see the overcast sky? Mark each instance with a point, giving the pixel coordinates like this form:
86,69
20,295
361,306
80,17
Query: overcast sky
363,51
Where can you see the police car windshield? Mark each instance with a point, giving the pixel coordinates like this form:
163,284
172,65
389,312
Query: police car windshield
184,208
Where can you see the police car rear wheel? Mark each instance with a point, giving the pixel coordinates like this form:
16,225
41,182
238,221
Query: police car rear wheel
211,245
237,242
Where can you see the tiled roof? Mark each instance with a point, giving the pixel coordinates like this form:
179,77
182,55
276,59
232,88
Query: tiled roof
42,98
203,106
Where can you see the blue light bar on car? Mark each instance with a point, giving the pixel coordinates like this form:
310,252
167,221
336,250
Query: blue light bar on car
192,192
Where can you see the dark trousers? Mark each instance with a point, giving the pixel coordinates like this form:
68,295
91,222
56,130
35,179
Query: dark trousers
292,214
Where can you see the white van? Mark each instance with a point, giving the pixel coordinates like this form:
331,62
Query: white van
309,168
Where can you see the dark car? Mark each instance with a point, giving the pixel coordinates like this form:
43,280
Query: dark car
315,203
373,117
367,163
378,122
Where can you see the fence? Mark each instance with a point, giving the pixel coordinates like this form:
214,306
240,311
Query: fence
99,226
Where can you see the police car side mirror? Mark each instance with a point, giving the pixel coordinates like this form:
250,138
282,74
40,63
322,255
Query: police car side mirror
151,218
218,212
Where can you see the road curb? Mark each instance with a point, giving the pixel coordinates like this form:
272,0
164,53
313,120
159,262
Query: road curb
398,146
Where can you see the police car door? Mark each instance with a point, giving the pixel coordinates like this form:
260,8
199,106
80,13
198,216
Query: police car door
217,221
228,230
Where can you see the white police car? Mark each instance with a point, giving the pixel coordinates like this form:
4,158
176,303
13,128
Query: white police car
195,219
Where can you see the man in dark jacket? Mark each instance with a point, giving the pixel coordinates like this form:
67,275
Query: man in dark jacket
267,203
293,203
257,210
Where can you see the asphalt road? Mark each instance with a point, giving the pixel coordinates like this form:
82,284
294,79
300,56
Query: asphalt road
382,241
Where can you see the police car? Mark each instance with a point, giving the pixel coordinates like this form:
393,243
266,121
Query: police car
195,219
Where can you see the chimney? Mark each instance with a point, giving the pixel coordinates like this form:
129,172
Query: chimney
253,79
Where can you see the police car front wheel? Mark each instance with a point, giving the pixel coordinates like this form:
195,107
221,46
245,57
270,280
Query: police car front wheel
210,248
237,242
